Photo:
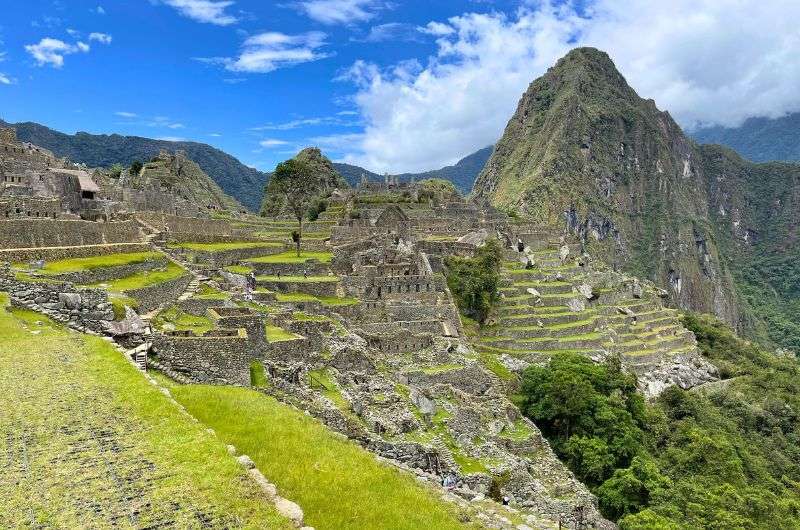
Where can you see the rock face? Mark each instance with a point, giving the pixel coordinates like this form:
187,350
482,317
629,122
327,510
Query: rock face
585,152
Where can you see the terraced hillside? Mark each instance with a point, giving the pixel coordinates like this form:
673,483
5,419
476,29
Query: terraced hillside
557,302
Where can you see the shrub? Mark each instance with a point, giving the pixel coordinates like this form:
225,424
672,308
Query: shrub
474,282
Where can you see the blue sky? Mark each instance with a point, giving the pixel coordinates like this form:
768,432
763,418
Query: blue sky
393,85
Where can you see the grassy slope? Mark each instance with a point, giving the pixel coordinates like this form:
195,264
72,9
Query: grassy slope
338,484
88,441
97,262
146,279
290,256
219,247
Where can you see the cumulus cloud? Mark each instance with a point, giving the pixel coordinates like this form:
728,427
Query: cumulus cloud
102,38
5,80
706,61
52,51
340,11
100,10
206,11
269,51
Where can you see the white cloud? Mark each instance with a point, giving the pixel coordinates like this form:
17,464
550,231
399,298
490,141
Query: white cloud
340,11
272,142
164,121
171,139
300,123
706,61
206,11
215,135
52,51
5,80
100,10
269,51
102,38
123,114
391,31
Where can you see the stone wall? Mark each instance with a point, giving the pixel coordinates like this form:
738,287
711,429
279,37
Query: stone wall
219,357
58,253
153,296
313,288
312,267
35,233
87,309
224,258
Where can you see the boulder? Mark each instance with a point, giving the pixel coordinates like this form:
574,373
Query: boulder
132,324
290,510
269,489
425,405
563,253
637,289
246,462
70,300
534,292
477,238
586,290
576,305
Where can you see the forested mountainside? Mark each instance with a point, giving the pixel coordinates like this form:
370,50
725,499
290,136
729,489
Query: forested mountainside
243,183
758,139
719,232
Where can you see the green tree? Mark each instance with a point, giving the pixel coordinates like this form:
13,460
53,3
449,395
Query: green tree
474,282
295,182
136,167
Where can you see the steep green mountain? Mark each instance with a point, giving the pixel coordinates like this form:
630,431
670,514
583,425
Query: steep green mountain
755,211
322,168
758,139
101,150
462,173
584,152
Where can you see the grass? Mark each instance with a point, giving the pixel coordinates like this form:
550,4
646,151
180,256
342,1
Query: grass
206,292
277,334
326,300
330,389
146,278
221,247
297,279
290,256
118,303
258,376
183,321
338,484
98,262
238,269
91,444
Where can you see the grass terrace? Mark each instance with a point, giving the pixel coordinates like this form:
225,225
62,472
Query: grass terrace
220,247
183,321
145,279
278,334
69,265
290,256
330,301
89,443
338,484
298,278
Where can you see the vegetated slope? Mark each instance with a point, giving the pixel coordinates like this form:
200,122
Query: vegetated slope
585,151
337,483
463,173
100,150
755,211
758,139
723,455
89,443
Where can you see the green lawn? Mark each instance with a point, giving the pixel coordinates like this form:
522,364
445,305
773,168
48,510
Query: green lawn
278,334
338,484
146,278
326,300
88,443
183,321
298,279
290,256
219,247
98,262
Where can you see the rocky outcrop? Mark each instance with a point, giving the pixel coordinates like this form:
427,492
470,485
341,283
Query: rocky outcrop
585,153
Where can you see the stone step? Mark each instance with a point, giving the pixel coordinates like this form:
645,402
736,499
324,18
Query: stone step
553,331
521,288
532,318
663,344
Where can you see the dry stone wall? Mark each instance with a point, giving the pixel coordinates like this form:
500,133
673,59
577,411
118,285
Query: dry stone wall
58,253
33,233
153,296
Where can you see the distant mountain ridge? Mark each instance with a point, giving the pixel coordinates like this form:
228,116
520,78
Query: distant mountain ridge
101,150
463,173
758,139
